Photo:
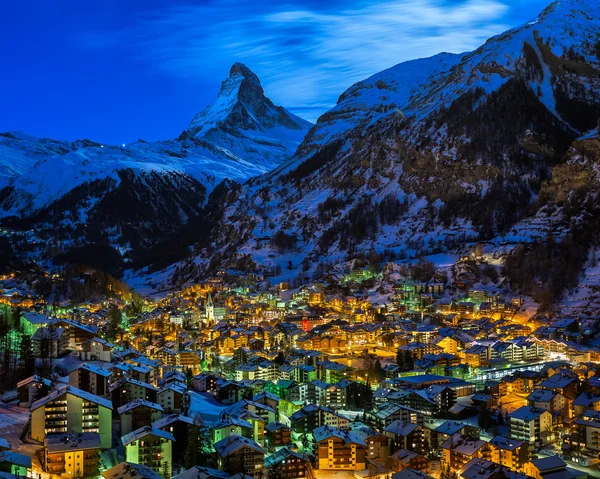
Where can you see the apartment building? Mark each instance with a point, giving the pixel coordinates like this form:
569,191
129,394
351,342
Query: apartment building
151,447
531,425
72,410
339,450
240,454
73,455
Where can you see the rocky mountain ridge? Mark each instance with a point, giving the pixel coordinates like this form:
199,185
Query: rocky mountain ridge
426,155
139,193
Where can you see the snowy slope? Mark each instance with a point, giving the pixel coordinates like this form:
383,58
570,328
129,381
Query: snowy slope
131,198
430,153
386,93
247,123
15,161
59,173
221,144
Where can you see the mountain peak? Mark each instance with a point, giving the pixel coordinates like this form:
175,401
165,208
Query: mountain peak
241,105
559,7
241,69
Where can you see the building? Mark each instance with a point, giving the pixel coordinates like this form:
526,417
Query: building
137,414
484,469
96,349
531,425
588,430
405,435
213,313
552,467
72,410
232,426
240,454
510,453
73,455
293,465
409,473
310,417
49,342
91,378
32,321
403,458
31,389
151,447
550,400
339,450
459,450
172,397
277,435
130,470
15,463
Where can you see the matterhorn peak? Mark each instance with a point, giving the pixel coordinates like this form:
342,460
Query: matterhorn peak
241,69
242,105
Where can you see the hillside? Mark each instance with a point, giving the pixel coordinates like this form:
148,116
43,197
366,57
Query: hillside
132,196
426,155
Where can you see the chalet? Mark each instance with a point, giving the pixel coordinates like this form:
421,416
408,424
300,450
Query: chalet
240,454
31,389
293,465
91,378
151,447
339,450
137,414
73,455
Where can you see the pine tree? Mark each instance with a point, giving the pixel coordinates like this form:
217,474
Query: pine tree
165,470
199,447
190,458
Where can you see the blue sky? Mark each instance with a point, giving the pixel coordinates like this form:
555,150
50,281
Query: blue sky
118,70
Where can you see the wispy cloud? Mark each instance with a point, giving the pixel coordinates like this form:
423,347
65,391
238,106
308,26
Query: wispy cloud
307,56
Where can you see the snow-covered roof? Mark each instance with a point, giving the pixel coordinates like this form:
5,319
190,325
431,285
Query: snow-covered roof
233,443
138,403
131,470
87,396
144,431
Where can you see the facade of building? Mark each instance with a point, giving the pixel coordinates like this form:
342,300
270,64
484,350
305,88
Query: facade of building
71,410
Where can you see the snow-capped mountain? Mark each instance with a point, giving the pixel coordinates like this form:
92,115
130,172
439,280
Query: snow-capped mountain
14,162
429,153
162,184
248,124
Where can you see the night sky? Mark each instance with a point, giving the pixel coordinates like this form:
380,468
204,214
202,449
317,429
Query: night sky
118,70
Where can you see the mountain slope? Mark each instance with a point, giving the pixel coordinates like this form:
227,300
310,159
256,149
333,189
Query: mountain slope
429,153
248,124
142,192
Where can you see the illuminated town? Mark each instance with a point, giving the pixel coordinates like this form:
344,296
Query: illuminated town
300,239
233,376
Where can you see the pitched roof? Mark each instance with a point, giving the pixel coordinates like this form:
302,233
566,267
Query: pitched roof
200,472
506,443
87,396
463,444
408,473
324,432
401,428
72,442
233,443
146,431
527,413
138,403
130,470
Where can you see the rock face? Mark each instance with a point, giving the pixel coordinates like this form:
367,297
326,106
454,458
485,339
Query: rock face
247,123
429,153
141,193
